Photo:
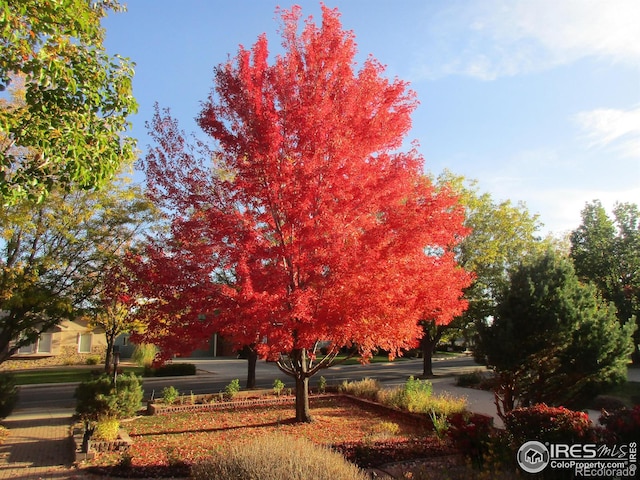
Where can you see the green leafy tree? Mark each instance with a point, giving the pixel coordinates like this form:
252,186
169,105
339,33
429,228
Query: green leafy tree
115,307
552,340
65,127
500,235
54,254
606,252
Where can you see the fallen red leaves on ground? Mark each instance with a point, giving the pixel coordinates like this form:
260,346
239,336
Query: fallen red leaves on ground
166,445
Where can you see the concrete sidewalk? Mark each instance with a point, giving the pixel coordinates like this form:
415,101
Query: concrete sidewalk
38,446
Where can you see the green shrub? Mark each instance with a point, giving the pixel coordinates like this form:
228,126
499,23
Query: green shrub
232,389
472,379
98,397
366,388
8,394
278,386
144,355
170,395
417,394
277,457
322,384
93,360
129,395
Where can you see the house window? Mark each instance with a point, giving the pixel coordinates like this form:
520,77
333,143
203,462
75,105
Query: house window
84,343
44,343
31,348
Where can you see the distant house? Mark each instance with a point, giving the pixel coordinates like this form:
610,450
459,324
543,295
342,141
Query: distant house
215,346
70,342
73,342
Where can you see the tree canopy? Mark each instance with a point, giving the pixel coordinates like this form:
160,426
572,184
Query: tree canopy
606,252
54,254
65,127
552,340
303,220
501,235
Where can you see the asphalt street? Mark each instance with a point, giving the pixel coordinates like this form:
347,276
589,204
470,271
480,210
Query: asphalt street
214,374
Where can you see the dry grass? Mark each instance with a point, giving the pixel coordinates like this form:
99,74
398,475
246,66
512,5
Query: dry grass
366,388
277,457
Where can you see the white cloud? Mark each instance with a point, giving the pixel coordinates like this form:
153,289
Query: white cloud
607,126
510,37
556,184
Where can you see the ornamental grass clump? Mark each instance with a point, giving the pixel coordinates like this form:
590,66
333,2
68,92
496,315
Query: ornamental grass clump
366,388
417,396
277,457
413,396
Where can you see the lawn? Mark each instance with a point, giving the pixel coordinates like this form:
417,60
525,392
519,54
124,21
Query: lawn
365,435
62,375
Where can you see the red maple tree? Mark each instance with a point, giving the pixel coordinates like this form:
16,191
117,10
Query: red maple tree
303,221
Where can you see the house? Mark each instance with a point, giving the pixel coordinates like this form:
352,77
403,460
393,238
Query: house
74,342
68,343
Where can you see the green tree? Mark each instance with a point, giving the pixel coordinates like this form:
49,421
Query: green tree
65,129
606,252
114,308
552,340
500,235
53,256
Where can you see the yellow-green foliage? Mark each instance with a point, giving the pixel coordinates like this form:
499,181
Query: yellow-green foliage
144,354
386,429
365,388
417,396
278,457
107,429
446,404
414,396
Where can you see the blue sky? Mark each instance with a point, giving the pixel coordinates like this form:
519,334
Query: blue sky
539,100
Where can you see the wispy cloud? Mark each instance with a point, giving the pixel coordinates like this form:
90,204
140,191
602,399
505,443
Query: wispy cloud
510,37
610,127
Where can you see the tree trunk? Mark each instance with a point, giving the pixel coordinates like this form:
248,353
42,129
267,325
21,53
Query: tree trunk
298,365
303,414
428,344
109,353
252,360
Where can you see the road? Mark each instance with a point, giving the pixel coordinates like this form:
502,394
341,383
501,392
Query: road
214,374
